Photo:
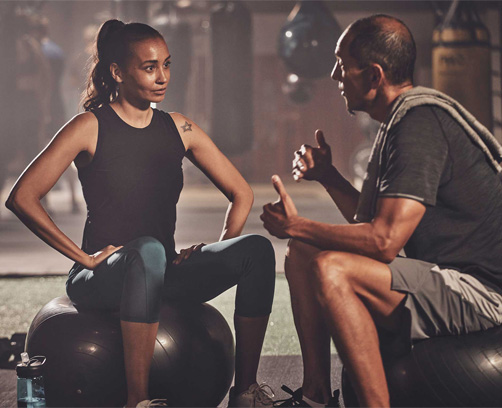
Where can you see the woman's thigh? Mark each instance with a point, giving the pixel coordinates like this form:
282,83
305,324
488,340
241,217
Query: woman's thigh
100,288
216,268
129,275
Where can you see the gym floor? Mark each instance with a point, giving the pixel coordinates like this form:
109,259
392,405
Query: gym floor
32,273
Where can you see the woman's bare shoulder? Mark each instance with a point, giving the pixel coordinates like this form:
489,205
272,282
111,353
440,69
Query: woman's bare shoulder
187,128
81,130
87,119
81,124
179,118
185,124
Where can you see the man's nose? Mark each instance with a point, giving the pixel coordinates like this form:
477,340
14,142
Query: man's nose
335,73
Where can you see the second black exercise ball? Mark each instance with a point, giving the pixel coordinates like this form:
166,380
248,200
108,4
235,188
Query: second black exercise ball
192,364
446,371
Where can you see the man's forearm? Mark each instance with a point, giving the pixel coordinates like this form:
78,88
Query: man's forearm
342,192
362,239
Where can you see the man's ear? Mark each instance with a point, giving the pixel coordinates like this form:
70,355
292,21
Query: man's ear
376,75
116,72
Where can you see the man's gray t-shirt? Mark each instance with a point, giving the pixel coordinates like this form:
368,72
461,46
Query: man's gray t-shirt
428,157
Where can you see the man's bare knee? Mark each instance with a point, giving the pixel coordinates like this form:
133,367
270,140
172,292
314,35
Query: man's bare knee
331,272
298,258
300,249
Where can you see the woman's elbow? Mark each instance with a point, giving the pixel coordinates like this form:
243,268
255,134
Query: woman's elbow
11,202
244,195
249,195
17,201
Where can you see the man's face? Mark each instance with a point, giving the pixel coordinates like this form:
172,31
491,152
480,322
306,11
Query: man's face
352,80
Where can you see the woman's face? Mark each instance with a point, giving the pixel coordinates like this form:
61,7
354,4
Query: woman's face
147,72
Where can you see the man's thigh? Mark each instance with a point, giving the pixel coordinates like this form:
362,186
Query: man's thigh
368,278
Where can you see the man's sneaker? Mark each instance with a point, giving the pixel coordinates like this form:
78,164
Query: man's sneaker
334,401
152,403
256,396
296,399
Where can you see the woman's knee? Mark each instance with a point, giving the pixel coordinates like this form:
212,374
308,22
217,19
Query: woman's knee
145,258
144,280
146,245
258,278
259,247
261,255
149,252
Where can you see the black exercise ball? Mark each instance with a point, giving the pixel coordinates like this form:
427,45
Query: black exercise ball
446,371
307,41
193,362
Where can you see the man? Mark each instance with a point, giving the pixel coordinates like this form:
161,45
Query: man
430,189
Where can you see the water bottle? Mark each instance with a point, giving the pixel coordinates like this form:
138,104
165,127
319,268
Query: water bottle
30,382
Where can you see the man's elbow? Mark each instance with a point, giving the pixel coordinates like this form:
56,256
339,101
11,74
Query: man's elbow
386,250
388,257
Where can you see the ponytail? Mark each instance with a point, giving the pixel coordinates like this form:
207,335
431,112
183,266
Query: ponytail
112,45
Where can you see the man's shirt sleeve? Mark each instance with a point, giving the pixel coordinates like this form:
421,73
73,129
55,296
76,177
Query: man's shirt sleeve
415,157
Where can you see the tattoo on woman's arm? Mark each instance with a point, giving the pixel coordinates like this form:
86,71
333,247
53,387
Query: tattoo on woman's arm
187,127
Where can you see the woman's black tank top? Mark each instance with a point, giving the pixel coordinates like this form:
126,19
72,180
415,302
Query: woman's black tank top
133,183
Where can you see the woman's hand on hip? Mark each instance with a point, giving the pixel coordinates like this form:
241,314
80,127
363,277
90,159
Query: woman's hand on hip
100,256
185,253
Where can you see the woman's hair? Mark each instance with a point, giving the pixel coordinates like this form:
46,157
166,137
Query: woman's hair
113,44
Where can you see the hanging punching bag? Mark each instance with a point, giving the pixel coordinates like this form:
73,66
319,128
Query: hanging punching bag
232,110
461,60
307,41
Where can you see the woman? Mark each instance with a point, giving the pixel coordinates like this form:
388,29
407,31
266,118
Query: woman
129,160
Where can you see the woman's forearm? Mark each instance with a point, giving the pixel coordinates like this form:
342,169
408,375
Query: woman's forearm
237,214
33,215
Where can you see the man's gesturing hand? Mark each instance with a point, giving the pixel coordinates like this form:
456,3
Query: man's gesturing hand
311,163
279,217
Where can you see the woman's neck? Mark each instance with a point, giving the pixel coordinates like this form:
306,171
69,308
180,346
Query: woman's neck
137,116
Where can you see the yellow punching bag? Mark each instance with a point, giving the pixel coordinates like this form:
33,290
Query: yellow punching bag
461,60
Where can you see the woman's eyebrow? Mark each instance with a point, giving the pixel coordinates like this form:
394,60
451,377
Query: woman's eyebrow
155,61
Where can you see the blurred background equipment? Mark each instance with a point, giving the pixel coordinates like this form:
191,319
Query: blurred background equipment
178,35
308,39
232,53
298,90
7,87
461,60
11,349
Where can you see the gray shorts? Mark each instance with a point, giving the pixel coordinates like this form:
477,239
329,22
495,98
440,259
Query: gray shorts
443,301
